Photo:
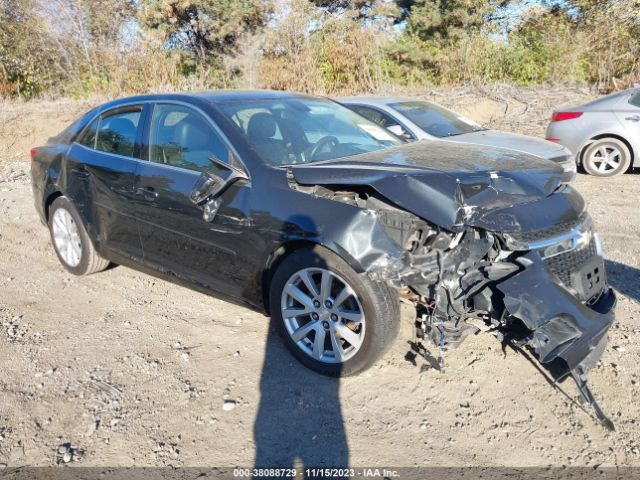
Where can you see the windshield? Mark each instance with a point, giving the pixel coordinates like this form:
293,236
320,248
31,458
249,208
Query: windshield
435,120
305,130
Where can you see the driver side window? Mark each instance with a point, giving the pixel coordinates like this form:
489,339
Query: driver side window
182,137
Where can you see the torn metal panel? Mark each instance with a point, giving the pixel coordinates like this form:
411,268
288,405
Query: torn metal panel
463,275
366,240
562,326
359,235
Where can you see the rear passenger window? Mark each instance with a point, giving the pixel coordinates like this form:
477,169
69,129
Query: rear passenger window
635,99
117,132
88,137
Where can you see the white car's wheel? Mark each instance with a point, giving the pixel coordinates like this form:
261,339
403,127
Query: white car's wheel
606,157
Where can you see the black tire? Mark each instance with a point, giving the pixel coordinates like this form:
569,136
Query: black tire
90,261
379,303
606,144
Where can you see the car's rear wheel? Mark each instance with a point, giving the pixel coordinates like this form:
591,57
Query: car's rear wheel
71,241
606,157
334,320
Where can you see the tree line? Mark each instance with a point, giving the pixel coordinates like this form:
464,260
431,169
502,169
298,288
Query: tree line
111,47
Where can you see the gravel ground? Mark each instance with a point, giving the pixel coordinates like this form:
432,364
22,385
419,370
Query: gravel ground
123,369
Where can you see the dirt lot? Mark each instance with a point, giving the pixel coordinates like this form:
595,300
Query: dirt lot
132,370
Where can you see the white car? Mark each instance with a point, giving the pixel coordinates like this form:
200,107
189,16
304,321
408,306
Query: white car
604,135
414,119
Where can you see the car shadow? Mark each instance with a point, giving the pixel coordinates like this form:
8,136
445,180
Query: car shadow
299,423
299,420
624,278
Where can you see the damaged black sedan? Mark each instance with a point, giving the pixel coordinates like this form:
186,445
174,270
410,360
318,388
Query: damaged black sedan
302,209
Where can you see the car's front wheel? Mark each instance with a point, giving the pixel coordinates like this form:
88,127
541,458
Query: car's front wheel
606,157
332,319
71,241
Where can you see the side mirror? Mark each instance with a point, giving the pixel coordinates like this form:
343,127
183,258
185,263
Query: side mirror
208,187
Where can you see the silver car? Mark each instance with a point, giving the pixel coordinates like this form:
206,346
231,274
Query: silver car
419,120
604,134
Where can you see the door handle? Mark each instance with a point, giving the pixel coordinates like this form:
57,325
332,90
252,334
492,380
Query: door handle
635,118
147,192
81,172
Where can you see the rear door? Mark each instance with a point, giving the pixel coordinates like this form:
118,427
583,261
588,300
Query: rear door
100,172
175,237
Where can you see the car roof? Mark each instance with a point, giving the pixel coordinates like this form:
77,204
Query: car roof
230,95
608,101
213,96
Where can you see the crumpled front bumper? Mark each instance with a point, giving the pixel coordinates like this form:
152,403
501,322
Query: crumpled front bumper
566,334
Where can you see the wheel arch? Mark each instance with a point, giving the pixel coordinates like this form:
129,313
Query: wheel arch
277,256
49,201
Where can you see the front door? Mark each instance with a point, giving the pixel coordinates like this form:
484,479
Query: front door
628,112
175,236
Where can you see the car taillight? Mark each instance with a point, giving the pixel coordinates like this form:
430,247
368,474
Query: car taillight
560,116
34,152
552,139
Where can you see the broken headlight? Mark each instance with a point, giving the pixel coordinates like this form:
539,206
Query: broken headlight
554,240
579,240
573,256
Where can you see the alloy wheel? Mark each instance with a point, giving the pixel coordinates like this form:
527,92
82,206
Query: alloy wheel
606,158
66,237
323,315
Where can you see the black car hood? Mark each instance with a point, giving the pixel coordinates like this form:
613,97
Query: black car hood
453,185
